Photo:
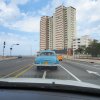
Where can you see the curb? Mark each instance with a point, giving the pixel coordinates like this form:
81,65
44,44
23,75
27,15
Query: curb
7,59
83,61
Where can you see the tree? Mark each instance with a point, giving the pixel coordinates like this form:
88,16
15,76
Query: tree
80,50
93,49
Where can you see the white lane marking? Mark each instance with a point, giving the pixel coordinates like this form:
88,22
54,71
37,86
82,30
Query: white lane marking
44,74
84,65
92,72
96,65
70,73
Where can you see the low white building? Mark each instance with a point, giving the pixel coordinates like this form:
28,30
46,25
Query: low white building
82,41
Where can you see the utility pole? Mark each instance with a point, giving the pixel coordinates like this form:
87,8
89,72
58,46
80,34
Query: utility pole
10,51
4,48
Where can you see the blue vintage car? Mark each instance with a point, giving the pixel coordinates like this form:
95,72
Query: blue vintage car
47,59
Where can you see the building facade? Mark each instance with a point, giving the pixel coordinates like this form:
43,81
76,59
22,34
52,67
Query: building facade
61,28
44,31
83,41
50,35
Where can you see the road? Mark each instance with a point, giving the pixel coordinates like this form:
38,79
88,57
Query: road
67,70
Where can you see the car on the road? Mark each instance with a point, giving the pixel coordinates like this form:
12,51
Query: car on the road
60,57
47,60
19,57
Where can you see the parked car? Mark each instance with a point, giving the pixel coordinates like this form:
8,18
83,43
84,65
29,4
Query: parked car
47,59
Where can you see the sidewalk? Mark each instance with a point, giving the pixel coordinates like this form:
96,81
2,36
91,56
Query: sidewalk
88,60
6,58
85,60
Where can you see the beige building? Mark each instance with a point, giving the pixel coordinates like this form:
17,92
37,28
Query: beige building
71,26
64,27
44,33
61,28
50,35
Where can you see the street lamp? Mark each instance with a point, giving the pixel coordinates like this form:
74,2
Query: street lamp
12,48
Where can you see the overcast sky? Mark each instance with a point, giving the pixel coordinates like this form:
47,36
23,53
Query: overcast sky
20,21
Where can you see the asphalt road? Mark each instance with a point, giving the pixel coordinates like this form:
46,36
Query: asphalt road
67,70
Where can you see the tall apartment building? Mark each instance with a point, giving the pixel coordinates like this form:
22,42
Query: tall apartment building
44,27
59,28
62,28
50,35
71,25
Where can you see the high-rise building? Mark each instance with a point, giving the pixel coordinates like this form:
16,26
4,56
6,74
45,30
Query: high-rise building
50,35
54,33
71,26
61,28
44,31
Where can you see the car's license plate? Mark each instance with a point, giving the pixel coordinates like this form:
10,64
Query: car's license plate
46,63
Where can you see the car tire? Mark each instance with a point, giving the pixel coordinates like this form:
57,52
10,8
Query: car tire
55,68
39,68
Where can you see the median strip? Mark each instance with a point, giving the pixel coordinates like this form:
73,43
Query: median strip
70,73
23,72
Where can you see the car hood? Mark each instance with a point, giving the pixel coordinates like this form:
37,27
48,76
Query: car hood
49,81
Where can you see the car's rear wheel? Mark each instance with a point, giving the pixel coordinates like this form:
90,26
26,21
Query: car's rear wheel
55,68
39,68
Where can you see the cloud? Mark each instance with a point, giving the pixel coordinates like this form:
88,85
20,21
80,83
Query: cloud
50,7
13,18
8,12
10,15
28,24
20,2
12,38
87,14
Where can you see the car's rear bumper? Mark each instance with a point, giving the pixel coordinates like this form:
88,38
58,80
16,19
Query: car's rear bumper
60,59
48,65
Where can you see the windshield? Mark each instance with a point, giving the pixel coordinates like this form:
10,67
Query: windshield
51,40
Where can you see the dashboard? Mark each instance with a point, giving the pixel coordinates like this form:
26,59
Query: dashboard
7,94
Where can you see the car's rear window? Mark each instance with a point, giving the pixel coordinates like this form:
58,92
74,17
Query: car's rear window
47,54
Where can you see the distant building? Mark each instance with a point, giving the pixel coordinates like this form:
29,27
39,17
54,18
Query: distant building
83,41
59,30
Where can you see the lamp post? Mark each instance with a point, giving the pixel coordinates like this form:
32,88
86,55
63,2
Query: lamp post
12,48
